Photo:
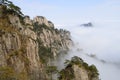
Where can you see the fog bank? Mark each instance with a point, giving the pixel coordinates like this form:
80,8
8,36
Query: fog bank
101,40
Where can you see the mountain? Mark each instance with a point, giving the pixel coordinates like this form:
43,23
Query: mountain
28,47
89,24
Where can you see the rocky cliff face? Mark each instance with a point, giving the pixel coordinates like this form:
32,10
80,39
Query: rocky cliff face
26,45
81,73
27,48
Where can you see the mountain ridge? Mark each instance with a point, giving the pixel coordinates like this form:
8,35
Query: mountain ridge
27,47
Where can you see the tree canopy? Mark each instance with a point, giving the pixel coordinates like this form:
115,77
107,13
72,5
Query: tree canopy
11,6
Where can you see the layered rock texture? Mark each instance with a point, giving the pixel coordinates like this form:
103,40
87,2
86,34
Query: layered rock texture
26,46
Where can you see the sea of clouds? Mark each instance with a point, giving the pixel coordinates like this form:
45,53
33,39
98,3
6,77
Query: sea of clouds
101,40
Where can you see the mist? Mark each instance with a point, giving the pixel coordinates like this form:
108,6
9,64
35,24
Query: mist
101,40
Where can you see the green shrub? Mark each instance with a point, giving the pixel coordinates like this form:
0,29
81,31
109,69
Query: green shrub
7,73
51,70
93,71
66,74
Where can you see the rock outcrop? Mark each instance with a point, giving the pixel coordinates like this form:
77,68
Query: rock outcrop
26,45
77,69
89,24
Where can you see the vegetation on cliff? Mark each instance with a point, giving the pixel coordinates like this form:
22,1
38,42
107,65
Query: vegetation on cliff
69,74
26,50
8,73
11,7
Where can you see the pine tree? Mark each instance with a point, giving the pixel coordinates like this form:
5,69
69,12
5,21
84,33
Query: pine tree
11,6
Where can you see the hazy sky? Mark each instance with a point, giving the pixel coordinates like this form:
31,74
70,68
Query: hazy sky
64,12
75,12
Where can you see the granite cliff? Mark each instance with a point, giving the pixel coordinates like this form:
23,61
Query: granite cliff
27,47
77,69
